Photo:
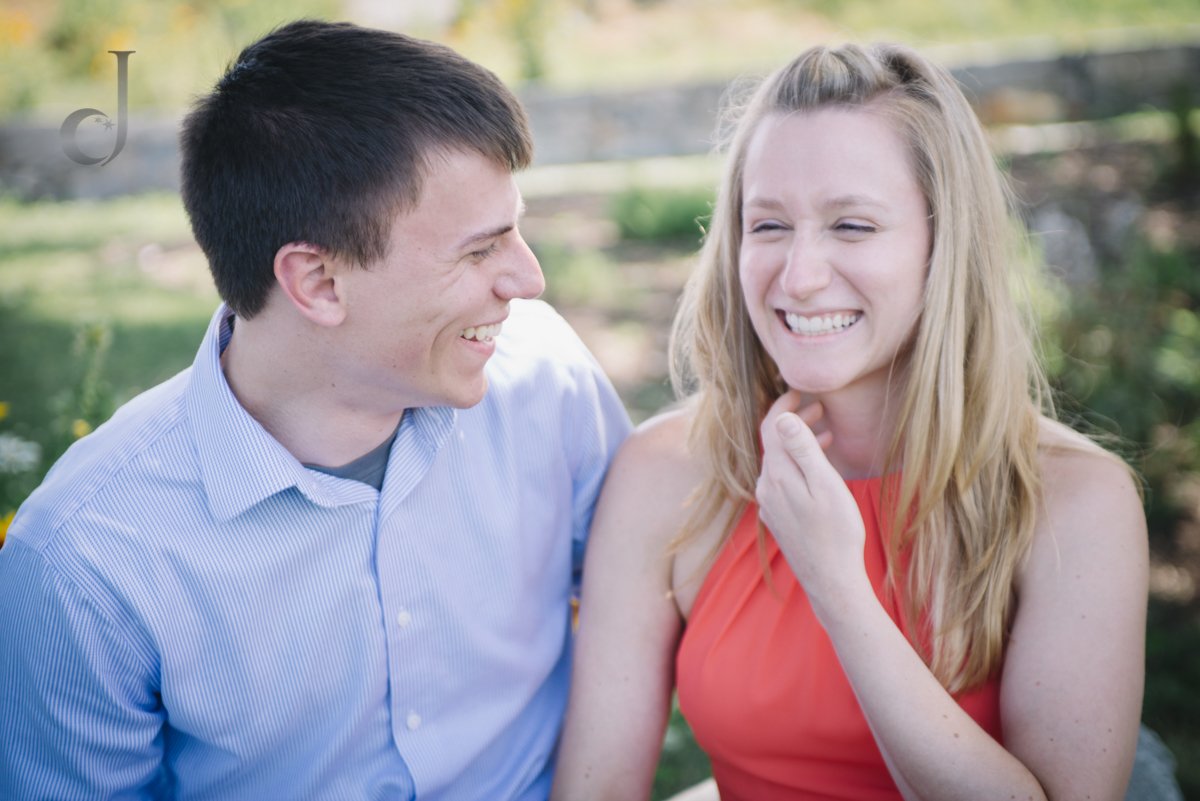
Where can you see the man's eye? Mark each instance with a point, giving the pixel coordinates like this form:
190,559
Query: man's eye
480,255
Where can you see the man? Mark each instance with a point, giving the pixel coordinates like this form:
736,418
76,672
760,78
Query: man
334,558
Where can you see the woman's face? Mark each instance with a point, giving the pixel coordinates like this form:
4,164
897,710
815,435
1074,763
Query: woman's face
835,246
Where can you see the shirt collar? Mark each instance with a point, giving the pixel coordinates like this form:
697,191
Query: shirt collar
241,464
421,435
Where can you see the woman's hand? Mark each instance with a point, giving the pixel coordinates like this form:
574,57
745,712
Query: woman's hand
808,507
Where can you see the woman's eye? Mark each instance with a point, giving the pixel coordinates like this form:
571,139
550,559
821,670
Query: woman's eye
766,226
855,227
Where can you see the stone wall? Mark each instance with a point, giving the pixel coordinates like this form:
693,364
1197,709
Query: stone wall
667,121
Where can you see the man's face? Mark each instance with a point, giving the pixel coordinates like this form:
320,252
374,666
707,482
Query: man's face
421,322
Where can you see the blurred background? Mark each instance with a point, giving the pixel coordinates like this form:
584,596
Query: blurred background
1091,106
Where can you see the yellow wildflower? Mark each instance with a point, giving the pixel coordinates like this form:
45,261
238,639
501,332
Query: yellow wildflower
3,409
5,522
184,18
16,28
81,428
103,62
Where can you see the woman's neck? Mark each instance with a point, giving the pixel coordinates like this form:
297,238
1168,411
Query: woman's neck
862,422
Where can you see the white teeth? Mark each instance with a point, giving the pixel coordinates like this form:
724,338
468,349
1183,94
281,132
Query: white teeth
482,333
814,326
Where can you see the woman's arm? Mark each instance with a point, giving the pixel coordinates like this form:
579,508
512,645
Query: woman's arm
1071,696
629,625
1072,678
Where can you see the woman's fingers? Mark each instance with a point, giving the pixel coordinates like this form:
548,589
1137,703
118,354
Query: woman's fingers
788,403
797,438
805,502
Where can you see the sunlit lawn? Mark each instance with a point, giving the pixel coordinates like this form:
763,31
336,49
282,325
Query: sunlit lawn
127,265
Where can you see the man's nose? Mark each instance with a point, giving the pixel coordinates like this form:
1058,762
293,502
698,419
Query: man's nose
522,276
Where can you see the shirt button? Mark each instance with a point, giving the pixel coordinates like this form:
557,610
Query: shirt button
413,722
403,618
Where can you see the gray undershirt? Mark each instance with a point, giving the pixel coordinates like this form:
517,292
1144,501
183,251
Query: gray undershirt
369,468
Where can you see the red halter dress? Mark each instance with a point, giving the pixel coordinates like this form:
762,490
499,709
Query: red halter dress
761,686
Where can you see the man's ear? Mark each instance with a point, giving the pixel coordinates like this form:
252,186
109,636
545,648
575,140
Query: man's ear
310,279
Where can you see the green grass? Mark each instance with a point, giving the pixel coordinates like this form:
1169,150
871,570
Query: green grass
682,763
1172,701
130,259
662,214
577,277
121,270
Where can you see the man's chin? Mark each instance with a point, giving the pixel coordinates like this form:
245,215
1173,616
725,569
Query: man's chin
472,397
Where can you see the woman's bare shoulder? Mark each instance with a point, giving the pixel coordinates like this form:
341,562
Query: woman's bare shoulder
651,477
1091,502
656,457
675,476
1075,469
650,496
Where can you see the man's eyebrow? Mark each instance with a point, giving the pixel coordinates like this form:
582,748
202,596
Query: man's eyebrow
491,233
483,236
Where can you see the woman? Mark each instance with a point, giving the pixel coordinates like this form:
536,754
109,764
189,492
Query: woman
871,562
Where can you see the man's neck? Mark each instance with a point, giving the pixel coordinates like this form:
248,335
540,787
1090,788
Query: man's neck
281,381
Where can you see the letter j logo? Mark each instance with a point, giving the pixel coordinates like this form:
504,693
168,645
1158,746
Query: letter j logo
70,127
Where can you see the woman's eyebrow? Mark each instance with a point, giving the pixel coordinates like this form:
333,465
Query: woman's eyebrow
762,203
839,202
847,201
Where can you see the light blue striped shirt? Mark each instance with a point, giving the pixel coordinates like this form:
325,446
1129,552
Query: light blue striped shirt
187,612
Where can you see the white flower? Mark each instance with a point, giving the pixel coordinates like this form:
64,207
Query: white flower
18,455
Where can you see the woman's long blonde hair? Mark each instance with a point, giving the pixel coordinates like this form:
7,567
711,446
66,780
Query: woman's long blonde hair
970,392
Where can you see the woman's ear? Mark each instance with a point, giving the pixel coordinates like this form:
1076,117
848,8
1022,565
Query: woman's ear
310,279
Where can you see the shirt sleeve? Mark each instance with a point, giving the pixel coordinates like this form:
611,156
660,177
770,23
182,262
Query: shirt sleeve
81,716
599,424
